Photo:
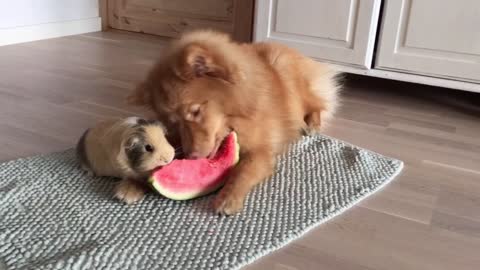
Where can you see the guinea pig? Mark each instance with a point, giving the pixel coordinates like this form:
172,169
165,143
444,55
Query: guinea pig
127,148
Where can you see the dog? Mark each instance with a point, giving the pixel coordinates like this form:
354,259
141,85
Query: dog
206,85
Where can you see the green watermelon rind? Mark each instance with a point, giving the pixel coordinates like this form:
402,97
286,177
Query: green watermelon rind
182,196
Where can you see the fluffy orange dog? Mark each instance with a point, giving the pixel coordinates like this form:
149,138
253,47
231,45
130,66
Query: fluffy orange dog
205,85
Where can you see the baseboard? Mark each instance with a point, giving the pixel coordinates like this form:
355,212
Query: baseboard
49,30
407,77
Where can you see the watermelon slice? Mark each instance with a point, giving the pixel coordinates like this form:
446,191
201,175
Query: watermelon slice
185,179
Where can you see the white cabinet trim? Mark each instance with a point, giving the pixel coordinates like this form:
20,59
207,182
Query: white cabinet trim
414,78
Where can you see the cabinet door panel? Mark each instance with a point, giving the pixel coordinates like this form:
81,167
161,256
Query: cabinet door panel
339,31
431,37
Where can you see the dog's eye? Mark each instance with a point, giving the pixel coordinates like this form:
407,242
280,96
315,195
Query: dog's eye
149,148
194,112
173,118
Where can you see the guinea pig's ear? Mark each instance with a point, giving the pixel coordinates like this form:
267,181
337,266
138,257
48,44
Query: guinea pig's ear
197,61
141,96
132,142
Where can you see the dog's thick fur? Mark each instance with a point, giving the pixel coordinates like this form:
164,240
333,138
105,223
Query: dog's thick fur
205,85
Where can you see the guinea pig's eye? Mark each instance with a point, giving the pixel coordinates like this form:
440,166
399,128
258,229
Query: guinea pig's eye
149,148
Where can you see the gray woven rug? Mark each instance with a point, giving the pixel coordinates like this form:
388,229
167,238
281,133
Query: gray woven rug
53,216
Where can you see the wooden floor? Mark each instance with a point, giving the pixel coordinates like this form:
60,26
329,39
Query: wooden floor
428,218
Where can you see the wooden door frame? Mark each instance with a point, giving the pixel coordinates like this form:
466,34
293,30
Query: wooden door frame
103,12
242,18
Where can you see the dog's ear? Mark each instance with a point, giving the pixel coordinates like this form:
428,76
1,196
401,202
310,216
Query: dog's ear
141,96
198,61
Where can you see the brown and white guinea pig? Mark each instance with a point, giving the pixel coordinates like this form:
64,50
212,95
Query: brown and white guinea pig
127,148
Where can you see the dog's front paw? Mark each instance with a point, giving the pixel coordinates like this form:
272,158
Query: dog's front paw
228,203
309,131
129,191
313,123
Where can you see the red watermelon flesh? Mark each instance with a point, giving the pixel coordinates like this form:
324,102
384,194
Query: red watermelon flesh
185,179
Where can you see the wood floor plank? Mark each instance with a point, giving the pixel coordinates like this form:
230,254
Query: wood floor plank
466,205
374,240
98,110
17,142
404,201
455,223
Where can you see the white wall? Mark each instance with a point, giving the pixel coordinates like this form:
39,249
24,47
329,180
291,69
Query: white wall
26,20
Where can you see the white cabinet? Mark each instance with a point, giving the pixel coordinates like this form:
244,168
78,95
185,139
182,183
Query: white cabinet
338,31
426,41
431,37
